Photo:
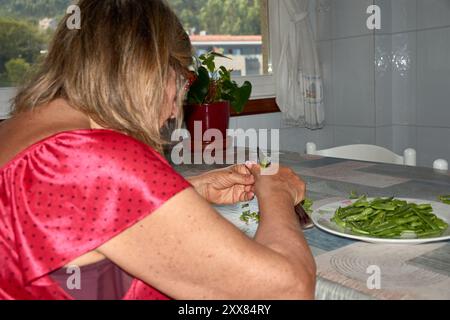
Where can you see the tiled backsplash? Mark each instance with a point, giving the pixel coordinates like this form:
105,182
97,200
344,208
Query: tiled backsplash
390,87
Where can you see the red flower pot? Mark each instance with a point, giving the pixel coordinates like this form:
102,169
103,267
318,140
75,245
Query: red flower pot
212,116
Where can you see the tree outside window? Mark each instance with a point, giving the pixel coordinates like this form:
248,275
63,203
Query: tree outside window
233,27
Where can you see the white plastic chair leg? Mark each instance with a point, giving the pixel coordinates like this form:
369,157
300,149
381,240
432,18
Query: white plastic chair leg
410,157
311,148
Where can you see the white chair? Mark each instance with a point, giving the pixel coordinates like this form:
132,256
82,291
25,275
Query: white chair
362,152
441,165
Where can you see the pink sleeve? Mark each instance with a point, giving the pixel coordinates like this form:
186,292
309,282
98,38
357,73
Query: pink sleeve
80,189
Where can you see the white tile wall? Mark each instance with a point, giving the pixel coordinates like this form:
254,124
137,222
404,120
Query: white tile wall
404,15
433,13
353,81
386,15
263,121
326,59
433,144
324,19
404,79
385,137
405,105
397,138
233,123
434,77
295,139
403,100
354,135
349,18
383,80
397,15
404,137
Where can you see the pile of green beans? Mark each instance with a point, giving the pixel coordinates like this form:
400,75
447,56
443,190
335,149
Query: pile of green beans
445,199
390,218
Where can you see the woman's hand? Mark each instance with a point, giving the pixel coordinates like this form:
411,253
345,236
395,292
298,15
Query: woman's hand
286,183
225,186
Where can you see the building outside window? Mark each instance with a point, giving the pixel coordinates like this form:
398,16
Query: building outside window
237,28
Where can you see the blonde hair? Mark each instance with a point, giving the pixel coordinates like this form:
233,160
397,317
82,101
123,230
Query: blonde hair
116,68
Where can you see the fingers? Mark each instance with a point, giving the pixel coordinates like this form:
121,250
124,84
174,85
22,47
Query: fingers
241,175
241,179
246,196
241,168
255,169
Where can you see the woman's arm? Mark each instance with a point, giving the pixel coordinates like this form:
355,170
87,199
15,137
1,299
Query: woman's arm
188,251
282,231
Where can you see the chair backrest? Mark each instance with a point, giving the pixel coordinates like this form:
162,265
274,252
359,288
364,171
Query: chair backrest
363,152
441,164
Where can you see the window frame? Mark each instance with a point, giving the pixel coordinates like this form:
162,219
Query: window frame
264,90
263,99
264,85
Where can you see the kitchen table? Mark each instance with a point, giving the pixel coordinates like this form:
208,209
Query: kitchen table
350,269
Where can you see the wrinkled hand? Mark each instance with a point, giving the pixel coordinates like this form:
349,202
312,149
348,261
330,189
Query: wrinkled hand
286,182
226,186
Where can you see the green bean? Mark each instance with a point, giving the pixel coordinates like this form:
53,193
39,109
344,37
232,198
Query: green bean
441,224
445,199
339,222
383,228
390,218
353,211
356,229
402,221
354,195
416,224
384,206
426,219
362,216
378,219
428,234
362,204
423,207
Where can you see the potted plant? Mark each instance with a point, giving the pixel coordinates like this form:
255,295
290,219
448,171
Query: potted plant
211,96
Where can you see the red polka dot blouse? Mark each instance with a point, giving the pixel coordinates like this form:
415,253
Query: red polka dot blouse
67,195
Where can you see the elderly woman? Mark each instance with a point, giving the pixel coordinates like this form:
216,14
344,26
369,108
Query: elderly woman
82,181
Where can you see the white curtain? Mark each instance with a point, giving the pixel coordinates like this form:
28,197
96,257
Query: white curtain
298,78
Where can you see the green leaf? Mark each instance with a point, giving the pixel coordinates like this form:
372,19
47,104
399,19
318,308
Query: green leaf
209,63
225,74
241,96
214,85
199,89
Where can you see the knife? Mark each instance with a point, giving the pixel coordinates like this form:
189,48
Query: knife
305,220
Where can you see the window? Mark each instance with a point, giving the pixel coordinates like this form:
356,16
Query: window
26,27
235,28
25,30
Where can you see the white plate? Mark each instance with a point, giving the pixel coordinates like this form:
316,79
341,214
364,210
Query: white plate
322,219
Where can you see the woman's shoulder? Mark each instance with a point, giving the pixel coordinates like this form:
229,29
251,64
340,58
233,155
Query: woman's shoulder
103,142
89,145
